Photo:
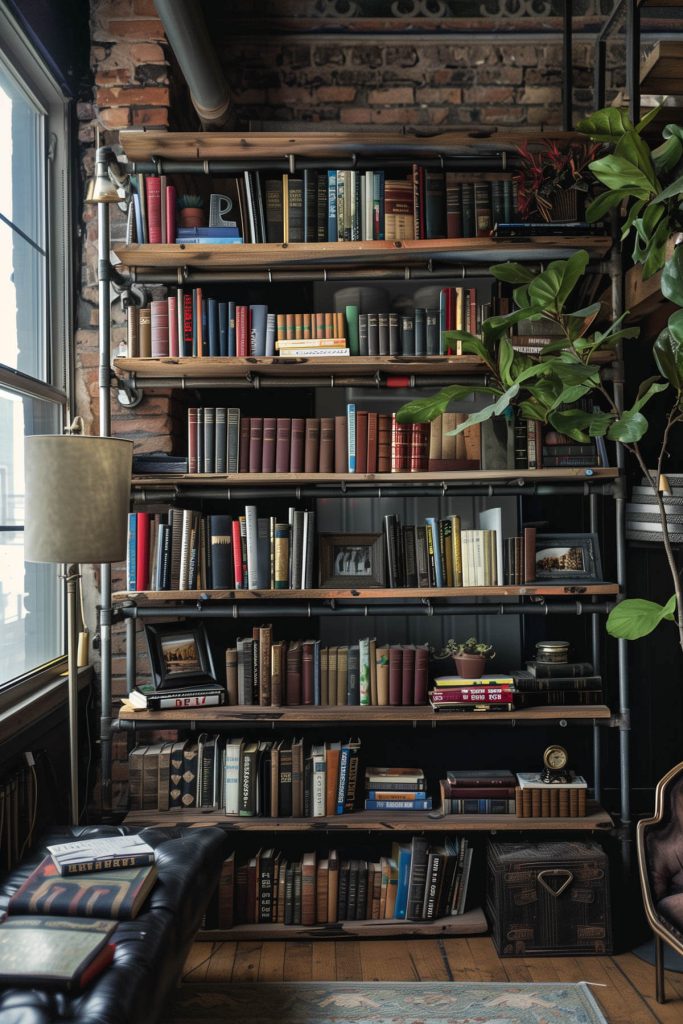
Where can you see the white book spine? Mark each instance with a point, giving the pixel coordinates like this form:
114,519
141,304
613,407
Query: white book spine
364,670
232,777
319,783
252,545
185,551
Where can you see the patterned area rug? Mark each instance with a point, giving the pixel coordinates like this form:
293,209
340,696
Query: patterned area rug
387,1003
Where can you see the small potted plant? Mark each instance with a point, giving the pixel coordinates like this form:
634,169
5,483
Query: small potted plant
469,656
191,211
552,183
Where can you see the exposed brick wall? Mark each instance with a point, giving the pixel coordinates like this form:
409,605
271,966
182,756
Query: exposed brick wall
347,82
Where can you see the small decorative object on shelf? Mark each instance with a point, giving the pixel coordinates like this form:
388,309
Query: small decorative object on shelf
469,656
553,651
351,560
179,654
565,556
555,760
552,182
191,211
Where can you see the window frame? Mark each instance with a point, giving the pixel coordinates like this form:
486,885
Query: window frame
24,63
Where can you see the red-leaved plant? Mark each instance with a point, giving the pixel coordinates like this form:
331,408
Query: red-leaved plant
552,170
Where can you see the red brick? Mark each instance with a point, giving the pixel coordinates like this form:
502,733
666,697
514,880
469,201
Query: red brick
145,7
484,95
147,53
150,117
114,117
355,115
133,96
540,95
399,95
509,115
335,94
141,29
113,76
428,95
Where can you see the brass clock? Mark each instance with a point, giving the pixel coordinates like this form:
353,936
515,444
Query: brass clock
555,760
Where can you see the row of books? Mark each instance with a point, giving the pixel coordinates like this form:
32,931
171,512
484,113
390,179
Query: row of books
396,789
244,777
545,683
222,440
367,674
498,791
188,322
415,881
184,550
441,553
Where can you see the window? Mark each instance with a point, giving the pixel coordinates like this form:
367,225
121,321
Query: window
34,298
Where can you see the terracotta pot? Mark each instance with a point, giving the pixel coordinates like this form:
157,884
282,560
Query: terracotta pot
469,666
191,217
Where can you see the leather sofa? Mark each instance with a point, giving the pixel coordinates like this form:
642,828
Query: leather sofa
150,951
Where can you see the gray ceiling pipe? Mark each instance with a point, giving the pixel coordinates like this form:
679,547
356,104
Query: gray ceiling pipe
186,31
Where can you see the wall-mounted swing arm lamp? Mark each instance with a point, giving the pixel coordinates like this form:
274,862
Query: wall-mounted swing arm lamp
111,183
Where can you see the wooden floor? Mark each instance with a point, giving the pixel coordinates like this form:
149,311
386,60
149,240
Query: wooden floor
623,985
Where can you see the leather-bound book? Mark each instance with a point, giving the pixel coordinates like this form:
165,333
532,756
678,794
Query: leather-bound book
307,672
245,429
188,785
421,674
382,667
293,663
372,442
419,447
529,553
192,465
384,443
327,444
133,331
145,332
231,674
265,642
361,441
308,888
256,444
332,755
209,440
400,446
277,670
220,535
341,458
268,448
297,778
153,205
296,449
221,440
395,675
312,445
282,444
408,674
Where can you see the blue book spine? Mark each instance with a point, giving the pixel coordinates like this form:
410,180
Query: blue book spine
401,906
212,317
344,758
432,525
222,328
137,209
237,240
132,568
257,340
232,343
225,231
351,436
399,805
332,206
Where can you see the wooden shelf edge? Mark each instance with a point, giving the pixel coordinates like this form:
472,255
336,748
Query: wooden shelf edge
574,590
436,476
377,821
471,923
314,715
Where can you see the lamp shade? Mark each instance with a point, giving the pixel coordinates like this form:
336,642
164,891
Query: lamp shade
77,498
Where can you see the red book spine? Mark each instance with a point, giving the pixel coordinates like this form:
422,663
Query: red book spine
327,444
268,463
395,675
97,965
188,318
361,441
192,466
237,554
473,327
372,443
153,198
142,551
296,450
474,695
421,675
199,322
341,458
173,343
384,443
419,446
242,331
282,443
170,213
256,444
312,446
408,675
245,428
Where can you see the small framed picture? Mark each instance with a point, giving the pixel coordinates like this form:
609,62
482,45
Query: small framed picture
351,560
567,556
179,654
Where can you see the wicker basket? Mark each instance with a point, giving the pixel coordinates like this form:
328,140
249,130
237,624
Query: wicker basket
565,205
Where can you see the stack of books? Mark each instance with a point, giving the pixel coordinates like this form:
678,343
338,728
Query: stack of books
396,789
556,683
537,799
484,791
248,778
487,693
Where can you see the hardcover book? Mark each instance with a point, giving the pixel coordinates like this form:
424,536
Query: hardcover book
116,894
50,951
101,854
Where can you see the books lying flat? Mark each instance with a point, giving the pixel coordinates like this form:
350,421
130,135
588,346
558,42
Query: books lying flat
189,697
450,682
537,799
481,777
473,695
117,894
62,952
399,805
101,854
457,707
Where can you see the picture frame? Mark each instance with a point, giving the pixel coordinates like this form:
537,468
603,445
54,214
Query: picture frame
351,560
567,557
179,655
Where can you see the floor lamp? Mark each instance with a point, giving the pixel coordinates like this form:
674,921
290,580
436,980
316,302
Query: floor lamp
77,500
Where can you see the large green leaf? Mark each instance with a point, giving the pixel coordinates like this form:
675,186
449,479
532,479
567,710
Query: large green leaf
572,422
666,156
571,371
602,204
607,125
600,423
647,118
495,409
630,427
656,250
617,172
635,617
496,326
633,214
672,277
668,353
577,323
551,289
512,273
647,390
674,189
471,345
506,354
424,410
633,148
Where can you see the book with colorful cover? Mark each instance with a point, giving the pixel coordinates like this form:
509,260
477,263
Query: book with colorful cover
117,895
102,854
54,952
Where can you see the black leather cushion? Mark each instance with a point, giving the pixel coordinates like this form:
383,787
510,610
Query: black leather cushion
150,951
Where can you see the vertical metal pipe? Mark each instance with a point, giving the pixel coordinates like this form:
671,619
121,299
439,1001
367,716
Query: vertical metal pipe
633,58
596,627
105,570
131,660
567,10
72,578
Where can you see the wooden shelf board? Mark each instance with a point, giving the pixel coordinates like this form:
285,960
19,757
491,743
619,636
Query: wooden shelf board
377,821
456,476
471,923
139,145
377,594
662,70
316,255
313,715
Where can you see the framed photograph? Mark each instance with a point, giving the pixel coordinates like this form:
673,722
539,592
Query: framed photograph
351,560
179,654
567,557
